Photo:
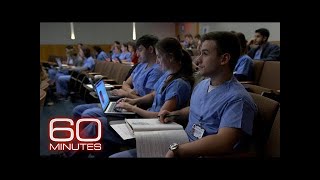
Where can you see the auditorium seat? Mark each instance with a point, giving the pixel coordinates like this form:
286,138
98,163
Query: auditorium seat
43,95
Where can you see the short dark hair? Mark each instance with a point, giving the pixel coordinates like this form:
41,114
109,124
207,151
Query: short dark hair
227,42
264,32
147,41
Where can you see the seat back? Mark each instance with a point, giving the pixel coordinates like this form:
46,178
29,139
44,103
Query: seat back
270,75
124,70
99,65
257,69
43,95
44,85
267,110
273,144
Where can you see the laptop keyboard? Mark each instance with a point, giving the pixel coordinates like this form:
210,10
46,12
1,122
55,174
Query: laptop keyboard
114,108
117,109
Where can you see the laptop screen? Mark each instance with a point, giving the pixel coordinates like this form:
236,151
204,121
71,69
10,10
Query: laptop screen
102,94
58,60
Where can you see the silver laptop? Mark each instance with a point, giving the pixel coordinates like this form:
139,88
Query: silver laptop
58,60
107,106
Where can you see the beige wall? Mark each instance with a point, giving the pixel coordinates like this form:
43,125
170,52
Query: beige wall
247,28
60,50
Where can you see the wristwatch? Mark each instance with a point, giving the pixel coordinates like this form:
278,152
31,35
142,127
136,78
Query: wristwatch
174,147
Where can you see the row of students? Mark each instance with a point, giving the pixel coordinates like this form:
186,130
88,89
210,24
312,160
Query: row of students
84,61
140,82
219,105
125,52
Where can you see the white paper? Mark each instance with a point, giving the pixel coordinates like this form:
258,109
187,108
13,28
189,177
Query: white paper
122,130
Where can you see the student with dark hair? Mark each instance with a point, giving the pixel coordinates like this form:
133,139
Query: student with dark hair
115,43
171,92
244,67
221,112
100,54
264,49
139,83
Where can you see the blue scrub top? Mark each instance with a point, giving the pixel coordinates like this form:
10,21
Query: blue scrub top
178,88
143,78
228,105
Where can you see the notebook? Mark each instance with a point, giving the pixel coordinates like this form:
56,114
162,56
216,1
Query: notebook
107,106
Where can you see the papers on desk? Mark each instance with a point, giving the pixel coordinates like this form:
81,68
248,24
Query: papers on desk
108,86
122,130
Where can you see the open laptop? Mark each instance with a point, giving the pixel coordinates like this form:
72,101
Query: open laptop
92,83
110,95
60,65
107,106
58,60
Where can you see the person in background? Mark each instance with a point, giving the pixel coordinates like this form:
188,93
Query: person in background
197,41
54,73
63,80
115,43
116,52
100,54
133,50
264,50
80,59
125,56
244,67
188,42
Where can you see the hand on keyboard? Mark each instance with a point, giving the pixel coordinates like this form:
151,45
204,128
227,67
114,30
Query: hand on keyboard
118,109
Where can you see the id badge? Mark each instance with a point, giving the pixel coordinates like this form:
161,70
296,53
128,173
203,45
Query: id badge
197,131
